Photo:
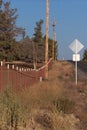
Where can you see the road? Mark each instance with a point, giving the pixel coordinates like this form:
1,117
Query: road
82,69
82,66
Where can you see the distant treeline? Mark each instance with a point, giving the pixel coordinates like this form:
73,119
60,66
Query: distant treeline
26,49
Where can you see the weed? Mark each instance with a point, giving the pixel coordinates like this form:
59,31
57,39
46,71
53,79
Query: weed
45,120
12,111
64,105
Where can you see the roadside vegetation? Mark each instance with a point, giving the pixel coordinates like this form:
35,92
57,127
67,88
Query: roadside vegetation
15,44
43,106
85,55
53,104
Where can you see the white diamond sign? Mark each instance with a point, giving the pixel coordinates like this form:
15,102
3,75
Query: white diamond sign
76,46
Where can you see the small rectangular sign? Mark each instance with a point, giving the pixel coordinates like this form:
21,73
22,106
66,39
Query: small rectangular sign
76,57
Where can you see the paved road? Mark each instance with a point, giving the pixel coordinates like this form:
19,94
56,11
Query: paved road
82,66
82,69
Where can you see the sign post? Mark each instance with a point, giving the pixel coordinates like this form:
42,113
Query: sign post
76,46
76,70
76,58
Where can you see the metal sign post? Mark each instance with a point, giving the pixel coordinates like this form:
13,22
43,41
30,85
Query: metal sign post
76,71
76,58
76,46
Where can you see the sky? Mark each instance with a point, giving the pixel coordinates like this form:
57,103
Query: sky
70,17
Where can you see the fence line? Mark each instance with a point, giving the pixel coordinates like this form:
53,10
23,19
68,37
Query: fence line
20,78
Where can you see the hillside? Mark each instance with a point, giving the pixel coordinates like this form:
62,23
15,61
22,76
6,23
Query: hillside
57,103
53,104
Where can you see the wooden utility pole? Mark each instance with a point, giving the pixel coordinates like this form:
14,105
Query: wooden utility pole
46,46
34,56
53,47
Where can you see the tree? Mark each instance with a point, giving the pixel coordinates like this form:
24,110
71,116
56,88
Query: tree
38,41
38,32
50,41
8,30
27,49
85,55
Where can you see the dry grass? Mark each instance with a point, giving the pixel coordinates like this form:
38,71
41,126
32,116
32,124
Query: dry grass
38,101
64,121
42,94
43,115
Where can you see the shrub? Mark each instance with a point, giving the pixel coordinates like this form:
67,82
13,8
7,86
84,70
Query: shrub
12,111
45,120
64,105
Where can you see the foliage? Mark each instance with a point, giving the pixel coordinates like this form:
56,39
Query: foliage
64,105
39,43
50,41
55,50
63,121
25,49
8,30
45,120
38,32
85,55
38,46
12,111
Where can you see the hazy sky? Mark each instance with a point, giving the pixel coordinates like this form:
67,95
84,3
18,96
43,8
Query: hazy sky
70,16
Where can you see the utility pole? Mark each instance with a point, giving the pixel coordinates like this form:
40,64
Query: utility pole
46,46
34,56
53,47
